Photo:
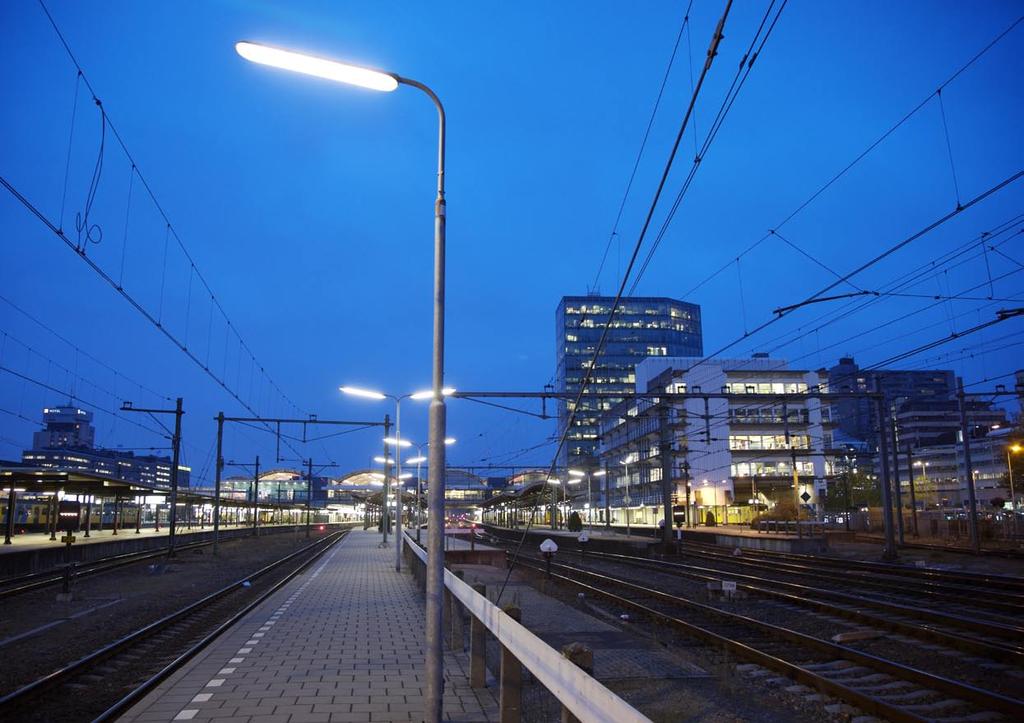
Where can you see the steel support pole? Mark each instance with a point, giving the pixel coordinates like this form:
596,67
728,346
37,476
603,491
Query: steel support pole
385,509
419,504
898,501
1013,501
256,498
176,457
627,501
398,484
53,507
12,498
889,550
607,499
913,494
968,469
665,450
217,466
309,493
434,672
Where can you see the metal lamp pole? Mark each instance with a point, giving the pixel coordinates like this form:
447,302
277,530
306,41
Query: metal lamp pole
376,80
1013,497
627,499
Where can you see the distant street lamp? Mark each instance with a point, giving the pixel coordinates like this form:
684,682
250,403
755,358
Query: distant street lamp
418,460
376,80
398,443
579,474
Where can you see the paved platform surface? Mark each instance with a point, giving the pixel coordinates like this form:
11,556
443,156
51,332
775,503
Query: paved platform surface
341,642
646,532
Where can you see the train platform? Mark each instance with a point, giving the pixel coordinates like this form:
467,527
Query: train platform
42,541
601,537
343,641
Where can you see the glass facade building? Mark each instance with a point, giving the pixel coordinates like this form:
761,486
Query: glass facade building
643,327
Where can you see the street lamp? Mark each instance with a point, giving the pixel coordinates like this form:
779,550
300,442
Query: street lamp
579,474
419,459
376,80
398,443
554,481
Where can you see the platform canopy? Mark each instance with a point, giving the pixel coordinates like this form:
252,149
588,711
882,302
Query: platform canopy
537,493
44,480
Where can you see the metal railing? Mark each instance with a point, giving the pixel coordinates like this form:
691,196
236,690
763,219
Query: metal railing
580,695
804,528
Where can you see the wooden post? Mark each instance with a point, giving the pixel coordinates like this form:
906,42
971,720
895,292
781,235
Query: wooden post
477,646
582,657
510,684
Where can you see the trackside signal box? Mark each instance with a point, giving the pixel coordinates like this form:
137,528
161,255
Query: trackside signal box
68,515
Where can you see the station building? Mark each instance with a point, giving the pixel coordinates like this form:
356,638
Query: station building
726,457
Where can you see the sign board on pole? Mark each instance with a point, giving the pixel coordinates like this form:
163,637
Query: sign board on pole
68,515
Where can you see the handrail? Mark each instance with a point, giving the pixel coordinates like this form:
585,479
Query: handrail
584,696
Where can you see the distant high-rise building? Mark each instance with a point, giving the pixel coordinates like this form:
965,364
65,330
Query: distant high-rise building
66,427
856,417
643,327
68,442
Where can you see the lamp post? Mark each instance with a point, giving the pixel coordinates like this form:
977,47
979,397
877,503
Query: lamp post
418,460
375,80
1015,448
397,442
554,505
626,500
579,474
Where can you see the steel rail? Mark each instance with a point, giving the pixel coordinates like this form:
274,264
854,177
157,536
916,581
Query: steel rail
987,699
1003,602
962,577
990,647
38,580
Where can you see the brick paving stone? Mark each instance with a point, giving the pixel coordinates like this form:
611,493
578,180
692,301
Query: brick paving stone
341,642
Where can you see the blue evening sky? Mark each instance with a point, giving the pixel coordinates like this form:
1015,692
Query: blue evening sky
307,206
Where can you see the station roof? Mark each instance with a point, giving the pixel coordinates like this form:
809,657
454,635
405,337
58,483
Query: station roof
46,480
532,494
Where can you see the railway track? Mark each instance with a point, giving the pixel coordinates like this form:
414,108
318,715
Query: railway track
1001,594
106,682
20,584
14,585
966,634
875,684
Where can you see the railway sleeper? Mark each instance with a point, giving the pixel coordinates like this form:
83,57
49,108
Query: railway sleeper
943,706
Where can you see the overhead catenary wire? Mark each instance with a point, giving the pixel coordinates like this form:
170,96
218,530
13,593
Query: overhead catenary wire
858,158
57,229
643,143
743,70
711,53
